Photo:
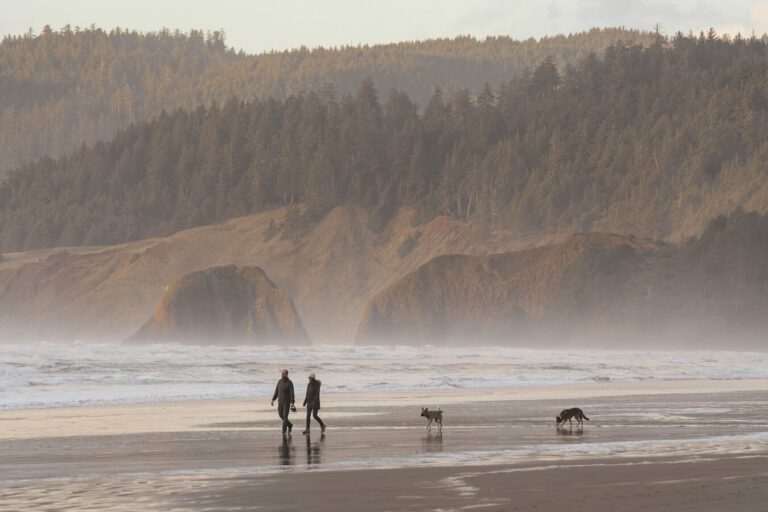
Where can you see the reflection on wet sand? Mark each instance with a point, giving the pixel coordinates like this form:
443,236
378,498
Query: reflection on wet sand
314,450
570,431
285,452
432,443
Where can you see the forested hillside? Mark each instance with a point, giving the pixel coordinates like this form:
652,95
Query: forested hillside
654,141
60,89
414,67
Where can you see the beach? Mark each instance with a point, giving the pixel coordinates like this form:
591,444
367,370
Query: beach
674,445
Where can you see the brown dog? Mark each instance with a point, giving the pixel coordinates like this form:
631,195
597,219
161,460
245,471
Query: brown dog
569,415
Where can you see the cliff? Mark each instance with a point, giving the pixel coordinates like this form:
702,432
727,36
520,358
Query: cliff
500,298
330,269
591,289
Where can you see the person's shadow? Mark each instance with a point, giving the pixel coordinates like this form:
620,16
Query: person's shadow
315,451
285,452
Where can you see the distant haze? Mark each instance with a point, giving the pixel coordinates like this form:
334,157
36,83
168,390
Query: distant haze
257,26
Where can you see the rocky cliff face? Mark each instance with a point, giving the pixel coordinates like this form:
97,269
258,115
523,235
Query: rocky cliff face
501,298
224,305
338,271
592,289
330,270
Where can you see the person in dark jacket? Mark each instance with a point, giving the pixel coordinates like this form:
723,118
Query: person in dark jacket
285,400
312,402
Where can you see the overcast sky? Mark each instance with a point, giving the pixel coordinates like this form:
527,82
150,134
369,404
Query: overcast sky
262,25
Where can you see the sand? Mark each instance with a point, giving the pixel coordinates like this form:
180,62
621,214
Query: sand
723,484
658,446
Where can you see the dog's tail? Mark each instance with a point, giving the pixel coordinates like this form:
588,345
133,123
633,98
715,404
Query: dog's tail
585,417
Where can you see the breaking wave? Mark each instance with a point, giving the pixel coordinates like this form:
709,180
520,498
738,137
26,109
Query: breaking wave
46,375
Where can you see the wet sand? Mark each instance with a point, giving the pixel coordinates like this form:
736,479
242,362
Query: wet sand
720,484
671,447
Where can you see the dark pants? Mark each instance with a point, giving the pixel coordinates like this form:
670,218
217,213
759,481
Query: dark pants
282,410
312,412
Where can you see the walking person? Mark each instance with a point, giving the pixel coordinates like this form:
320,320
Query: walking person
312,402
285,400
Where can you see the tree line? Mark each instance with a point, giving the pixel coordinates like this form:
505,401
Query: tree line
62,88
413,67
647,140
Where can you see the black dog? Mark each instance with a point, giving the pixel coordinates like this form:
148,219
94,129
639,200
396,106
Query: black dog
569,414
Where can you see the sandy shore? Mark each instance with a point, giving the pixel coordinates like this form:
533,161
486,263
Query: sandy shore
673,446
257,414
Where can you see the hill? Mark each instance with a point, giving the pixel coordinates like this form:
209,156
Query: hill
61,89
648,141
593,289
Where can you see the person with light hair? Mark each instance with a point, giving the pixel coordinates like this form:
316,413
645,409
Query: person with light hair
285,400
312,402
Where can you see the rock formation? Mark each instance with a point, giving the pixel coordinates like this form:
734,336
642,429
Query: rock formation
331,270
490,299
592,290
224,305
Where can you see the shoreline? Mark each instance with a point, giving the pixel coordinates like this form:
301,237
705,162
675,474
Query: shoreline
194,415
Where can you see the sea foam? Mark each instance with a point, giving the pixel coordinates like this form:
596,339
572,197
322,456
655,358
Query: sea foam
47,375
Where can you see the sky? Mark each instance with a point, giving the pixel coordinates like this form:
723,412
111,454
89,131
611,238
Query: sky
263,25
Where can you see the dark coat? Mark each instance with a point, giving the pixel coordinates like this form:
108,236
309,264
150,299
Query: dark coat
284,392
313,394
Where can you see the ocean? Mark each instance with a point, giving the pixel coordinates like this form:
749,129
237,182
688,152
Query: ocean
50,375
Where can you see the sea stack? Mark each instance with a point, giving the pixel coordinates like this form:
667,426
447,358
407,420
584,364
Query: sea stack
226,305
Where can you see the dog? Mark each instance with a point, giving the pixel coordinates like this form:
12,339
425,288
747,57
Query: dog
569,415
433,417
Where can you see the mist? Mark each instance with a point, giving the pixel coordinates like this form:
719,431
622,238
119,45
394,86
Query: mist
420,251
